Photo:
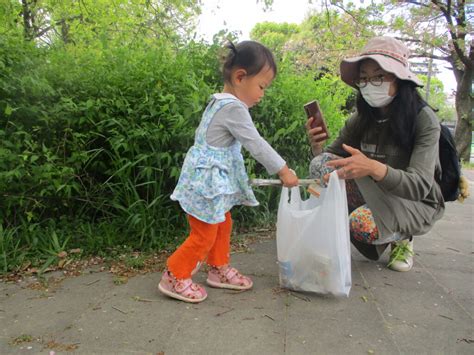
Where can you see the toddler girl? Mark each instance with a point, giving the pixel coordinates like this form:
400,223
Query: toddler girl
213,177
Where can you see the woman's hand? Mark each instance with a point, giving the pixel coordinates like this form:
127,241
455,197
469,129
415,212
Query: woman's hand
357,166
288,177
316,137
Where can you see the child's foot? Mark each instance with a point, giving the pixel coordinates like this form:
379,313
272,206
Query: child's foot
185,290
228,277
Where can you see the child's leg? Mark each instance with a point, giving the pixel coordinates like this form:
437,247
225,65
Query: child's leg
195,248
221,275
220,252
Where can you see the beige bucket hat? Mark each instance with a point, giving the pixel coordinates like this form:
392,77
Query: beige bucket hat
390,53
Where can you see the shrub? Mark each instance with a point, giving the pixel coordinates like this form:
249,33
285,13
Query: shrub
93,138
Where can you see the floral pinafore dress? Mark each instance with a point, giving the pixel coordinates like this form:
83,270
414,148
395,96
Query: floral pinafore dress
213,179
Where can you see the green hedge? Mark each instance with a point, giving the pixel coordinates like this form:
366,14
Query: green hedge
92,141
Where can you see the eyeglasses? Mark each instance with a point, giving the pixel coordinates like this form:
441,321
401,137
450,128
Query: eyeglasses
374,80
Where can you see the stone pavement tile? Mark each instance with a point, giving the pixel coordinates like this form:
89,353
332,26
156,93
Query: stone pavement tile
226,321
44,314
101,317
450,266
337,326
419,311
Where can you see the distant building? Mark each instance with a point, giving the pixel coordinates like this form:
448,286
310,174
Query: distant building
422,68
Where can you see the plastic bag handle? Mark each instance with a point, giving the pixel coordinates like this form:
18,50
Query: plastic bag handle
295,196
284,195
290,195
333,178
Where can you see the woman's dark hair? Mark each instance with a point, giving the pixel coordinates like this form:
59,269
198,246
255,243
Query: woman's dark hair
402,112
249,55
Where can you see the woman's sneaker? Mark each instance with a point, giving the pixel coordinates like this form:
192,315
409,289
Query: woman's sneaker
401,257
184,290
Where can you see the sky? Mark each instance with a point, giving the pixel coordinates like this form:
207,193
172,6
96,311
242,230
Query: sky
242,15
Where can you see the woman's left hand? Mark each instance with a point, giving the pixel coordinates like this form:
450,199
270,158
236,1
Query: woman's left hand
358,165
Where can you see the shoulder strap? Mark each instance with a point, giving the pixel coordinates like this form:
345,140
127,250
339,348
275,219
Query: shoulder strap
213,107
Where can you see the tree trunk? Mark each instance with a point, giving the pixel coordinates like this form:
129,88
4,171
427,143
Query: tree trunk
463,133
64,31
27,20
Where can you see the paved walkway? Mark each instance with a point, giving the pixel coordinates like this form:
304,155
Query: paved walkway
428,310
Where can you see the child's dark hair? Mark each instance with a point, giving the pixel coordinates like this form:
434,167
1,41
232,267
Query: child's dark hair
249,55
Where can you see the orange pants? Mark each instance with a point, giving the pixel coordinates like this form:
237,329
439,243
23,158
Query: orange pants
211,240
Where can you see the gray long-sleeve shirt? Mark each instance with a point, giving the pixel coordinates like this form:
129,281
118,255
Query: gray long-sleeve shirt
233,122
410,175
407,200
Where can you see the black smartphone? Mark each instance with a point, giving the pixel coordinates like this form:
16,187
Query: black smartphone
312,110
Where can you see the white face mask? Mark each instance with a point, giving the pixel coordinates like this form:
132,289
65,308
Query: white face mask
377,96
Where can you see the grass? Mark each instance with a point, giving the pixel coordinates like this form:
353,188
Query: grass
135,261
38,248
123,261
468,165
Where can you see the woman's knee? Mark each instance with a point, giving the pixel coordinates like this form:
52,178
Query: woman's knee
362,225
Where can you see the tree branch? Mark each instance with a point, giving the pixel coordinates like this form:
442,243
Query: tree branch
328,17
416,3
457,49
354,18
471,55
59,22
429,55
460,16
413,40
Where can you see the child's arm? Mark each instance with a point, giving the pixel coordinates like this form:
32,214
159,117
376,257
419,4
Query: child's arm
233,122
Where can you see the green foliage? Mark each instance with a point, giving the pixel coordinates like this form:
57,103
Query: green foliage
54,22
274,35
281,118
319,43
8,11
11,253
437,99
99,136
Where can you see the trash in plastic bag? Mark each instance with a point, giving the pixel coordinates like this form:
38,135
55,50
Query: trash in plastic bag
313,245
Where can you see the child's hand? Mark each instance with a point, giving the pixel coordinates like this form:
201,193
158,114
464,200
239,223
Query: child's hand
288,177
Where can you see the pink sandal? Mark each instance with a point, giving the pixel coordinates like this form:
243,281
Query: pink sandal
185,290
228,277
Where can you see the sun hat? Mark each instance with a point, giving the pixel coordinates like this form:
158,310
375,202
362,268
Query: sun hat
390,53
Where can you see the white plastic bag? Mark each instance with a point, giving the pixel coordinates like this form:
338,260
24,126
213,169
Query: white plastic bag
313,245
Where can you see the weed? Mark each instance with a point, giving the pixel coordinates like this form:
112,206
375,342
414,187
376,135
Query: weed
120,280
24,338
135,261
